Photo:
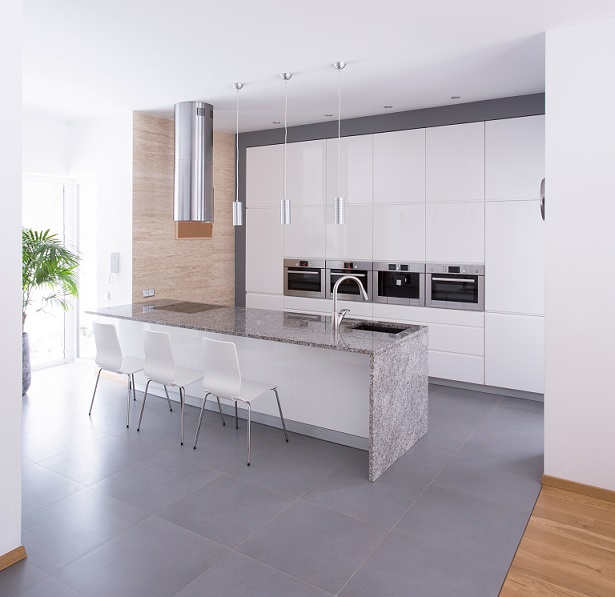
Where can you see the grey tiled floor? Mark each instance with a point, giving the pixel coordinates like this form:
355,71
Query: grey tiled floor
109,511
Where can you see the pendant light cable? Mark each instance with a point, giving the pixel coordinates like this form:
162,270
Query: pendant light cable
237,207
340,216
285,204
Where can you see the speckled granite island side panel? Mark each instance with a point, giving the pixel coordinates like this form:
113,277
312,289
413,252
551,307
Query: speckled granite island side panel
398,401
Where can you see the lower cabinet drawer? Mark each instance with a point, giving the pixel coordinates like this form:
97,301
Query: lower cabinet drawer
458,367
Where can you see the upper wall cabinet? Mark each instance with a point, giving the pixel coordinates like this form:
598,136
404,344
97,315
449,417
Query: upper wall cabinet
352,240
455,162
304,238
264,176
399,232
264,250
514,158
356,166
306,168
399,167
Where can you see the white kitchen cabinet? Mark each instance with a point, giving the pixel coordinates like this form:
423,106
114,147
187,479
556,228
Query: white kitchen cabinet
304,237
304,304
399,232
455,162
264,250
514,257
514,158
306,172
455,232
457,367
273,302
356,158
264,176
352,240
428,315
514,352
399,167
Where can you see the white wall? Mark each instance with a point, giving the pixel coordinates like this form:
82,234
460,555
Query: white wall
102,149
10,297
580,252
45,146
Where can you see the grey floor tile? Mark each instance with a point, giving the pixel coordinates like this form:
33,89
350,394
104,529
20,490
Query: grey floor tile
426,458
50,587
492,479
239,576
348,491
98,459
287,468
224,448
326,448
517,419
501,442
42,487
226,510
404,567
449,432
464,405
314,544
157,482
19,577
153,558
486,530
54,437
69,528
523,403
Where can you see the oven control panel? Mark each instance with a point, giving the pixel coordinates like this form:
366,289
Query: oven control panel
471,269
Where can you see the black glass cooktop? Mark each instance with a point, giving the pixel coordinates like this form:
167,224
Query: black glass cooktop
187,307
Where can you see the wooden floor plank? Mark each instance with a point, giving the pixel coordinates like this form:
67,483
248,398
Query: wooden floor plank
567,550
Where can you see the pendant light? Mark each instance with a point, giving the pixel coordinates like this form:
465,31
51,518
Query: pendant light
237,206
285,202
340,215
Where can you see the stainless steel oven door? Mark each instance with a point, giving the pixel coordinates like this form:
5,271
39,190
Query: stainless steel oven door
456,291
304,278
348,290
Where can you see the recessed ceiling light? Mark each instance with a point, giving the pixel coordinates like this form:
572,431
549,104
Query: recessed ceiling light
276,122
455,97
328,115
388,107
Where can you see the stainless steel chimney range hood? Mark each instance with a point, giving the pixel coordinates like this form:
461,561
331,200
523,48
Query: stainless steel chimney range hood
193,197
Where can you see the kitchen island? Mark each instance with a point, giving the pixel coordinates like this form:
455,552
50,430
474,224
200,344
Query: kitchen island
361,387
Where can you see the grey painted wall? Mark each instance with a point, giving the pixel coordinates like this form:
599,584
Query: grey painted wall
508,107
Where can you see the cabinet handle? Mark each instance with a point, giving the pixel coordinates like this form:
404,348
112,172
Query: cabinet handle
542,199
311,273
461,280
355,275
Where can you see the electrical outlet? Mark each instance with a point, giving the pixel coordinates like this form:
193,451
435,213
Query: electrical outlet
152,292
145,293
148,292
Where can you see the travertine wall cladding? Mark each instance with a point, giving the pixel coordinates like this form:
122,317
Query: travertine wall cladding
198,270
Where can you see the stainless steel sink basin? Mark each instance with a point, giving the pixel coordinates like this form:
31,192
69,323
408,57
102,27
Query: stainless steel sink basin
378,327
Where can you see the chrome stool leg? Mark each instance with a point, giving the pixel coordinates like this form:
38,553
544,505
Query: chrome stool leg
182,399
220,409
94,394
198,428
281,415
236,416
168,399
249,428
143,405
128,403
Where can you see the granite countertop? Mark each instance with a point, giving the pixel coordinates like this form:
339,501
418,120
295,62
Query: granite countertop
277,326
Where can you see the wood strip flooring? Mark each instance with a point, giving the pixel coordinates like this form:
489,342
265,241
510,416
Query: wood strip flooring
567,550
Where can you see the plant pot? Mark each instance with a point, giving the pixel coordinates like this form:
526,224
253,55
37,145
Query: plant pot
26,368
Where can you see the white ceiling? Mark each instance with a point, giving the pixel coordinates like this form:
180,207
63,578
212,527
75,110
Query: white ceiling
86,59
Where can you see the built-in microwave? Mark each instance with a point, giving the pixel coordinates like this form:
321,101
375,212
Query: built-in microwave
455,286
348,289
304,277
399,283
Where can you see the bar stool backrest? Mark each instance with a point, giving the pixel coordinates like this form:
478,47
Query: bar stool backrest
222,376
108,351
159,362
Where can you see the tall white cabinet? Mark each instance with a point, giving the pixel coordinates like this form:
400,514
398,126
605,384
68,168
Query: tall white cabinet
514,254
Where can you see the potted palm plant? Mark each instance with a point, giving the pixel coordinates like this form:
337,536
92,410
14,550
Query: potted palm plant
50,266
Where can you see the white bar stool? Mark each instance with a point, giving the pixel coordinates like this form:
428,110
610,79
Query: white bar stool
160,368
222,378
110,358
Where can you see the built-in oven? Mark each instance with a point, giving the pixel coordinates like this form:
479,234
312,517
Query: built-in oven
304,277
348,289
399,283
455,286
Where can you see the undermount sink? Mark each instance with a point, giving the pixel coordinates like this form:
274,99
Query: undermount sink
376,327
